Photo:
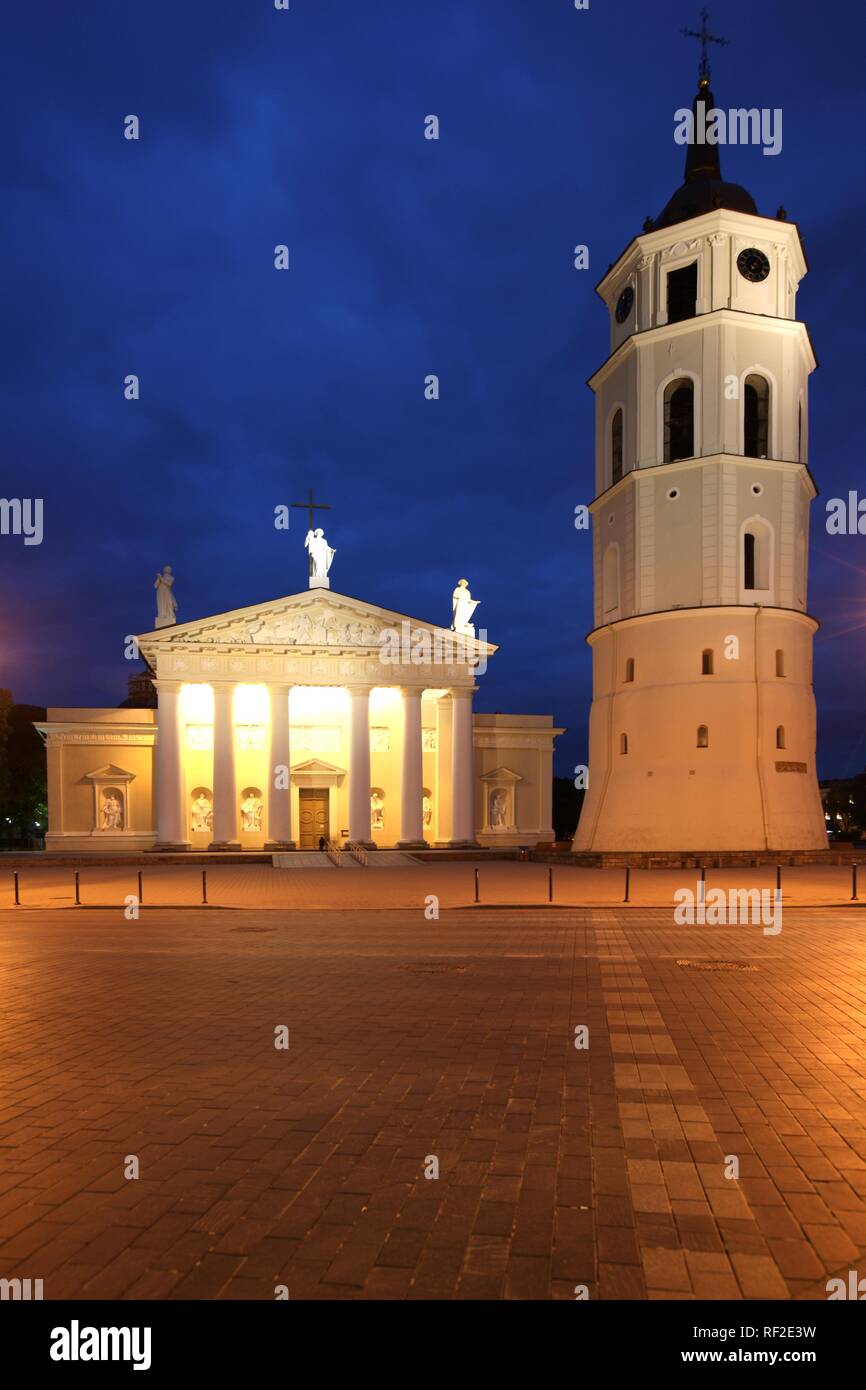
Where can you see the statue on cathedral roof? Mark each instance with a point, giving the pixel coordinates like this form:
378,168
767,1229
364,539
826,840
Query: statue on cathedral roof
463,605
321,558
166,603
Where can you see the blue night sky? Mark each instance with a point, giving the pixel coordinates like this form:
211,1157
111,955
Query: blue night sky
408,257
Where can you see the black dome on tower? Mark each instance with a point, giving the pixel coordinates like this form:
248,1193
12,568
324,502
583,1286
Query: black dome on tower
703,188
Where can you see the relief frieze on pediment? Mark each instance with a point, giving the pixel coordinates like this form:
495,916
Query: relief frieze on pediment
316,628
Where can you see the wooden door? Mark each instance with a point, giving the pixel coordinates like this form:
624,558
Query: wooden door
314,817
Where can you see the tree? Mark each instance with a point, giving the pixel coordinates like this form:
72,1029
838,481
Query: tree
23,789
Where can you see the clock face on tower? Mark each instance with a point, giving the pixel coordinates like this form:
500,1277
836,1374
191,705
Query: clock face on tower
624,303
753,264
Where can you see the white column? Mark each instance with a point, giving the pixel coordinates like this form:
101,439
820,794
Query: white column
462,769
170,808
359,766
279,832
225,800
411,806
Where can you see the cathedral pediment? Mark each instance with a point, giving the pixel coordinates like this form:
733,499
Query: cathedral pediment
314,623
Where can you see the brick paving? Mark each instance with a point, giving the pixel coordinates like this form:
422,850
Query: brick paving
411,1040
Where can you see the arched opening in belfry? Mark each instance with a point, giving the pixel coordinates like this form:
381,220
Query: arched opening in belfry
756,417
679,420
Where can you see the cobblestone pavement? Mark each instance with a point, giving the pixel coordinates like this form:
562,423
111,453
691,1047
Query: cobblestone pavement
412,1039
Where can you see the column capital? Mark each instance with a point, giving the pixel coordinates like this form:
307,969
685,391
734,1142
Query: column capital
171,687
356,690
411,690
462,692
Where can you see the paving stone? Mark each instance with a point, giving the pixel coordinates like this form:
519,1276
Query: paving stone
307,1167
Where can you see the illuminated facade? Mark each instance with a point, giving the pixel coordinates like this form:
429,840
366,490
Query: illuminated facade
702,727
314,716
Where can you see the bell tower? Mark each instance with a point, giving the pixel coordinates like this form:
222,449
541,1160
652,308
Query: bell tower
702,726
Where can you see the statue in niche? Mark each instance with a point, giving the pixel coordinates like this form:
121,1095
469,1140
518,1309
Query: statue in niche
321,554
498,809
427,811
112,810
252,809
202,813
377,811
166,603
463,605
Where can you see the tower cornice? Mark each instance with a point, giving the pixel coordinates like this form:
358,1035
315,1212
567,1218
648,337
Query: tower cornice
668,331
702,612
661,470
719,220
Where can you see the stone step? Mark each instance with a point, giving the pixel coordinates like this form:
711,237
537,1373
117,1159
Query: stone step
302,859
391,859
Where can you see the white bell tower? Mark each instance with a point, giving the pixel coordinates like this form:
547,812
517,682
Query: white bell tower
702,727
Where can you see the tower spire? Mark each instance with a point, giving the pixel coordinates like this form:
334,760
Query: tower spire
702,160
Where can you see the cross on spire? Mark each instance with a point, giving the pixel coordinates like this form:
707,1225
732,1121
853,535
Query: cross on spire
705,37
310,506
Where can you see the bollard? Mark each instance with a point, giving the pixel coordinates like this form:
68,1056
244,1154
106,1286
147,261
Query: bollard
778,878
477,897
77,893
550,883
703,894
140,890
204,885
853,883
17,898
627,882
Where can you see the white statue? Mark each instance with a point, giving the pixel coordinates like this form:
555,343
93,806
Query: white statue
202,813
112,811
497,809
463,605
377,811
166,603
427,811
251,812
321,556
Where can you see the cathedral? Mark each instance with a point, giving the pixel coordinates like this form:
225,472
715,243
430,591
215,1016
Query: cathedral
314,719
702,729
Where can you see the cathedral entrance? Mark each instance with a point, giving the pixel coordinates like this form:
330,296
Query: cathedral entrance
313,816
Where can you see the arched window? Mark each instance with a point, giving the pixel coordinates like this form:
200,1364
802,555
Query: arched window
707,662
756,417
780,736
780,662
623,743
610,582
757,539
703,736
629,669
749,547
616,446
679,420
